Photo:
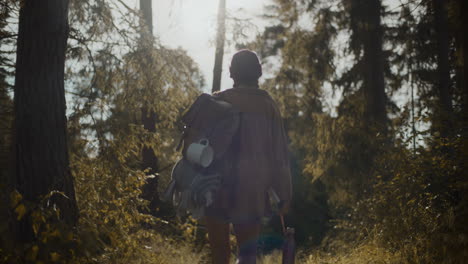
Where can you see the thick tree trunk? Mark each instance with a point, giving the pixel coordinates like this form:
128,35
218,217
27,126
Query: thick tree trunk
42,163
149,117
443,67
220,39
374,84
464,39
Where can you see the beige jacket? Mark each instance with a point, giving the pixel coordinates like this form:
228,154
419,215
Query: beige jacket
259,157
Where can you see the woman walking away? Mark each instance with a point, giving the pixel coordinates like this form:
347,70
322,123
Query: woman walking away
256,162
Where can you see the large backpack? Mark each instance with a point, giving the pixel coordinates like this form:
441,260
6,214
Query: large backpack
192,187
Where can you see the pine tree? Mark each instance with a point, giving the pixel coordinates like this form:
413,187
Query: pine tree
443,84
367,47
42,164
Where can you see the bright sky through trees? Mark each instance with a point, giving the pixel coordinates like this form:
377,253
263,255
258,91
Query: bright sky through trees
191,24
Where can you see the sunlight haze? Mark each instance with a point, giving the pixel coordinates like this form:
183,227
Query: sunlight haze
191,24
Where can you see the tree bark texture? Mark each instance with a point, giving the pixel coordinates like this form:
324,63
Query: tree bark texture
41,157
149,117
464,34
6,122
443,66
220,39
374,83
463,39
464,8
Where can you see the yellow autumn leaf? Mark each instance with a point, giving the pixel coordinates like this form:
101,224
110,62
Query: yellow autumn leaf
15,198
35,227
20,211
55,233
54,256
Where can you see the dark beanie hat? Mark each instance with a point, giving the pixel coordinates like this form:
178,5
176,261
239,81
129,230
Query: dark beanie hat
245,66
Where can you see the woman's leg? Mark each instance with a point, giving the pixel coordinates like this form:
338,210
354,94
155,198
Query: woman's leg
218,235
247,237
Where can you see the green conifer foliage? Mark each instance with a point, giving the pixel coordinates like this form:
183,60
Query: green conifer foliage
379,147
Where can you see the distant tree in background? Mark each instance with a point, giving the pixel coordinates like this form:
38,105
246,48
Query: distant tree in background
148,116
220,42
444,89
366,44
41,148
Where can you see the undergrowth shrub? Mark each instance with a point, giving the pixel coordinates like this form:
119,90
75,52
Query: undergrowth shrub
112,226
417,206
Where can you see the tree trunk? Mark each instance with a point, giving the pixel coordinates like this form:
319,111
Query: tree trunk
6,122
374,84
443,67
42,163
147,11
149,117
464,39
367,45
150,161
220,39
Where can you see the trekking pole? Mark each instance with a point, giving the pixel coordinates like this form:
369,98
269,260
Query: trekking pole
289,245
282,224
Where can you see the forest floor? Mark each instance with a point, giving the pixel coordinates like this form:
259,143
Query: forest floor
368,253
